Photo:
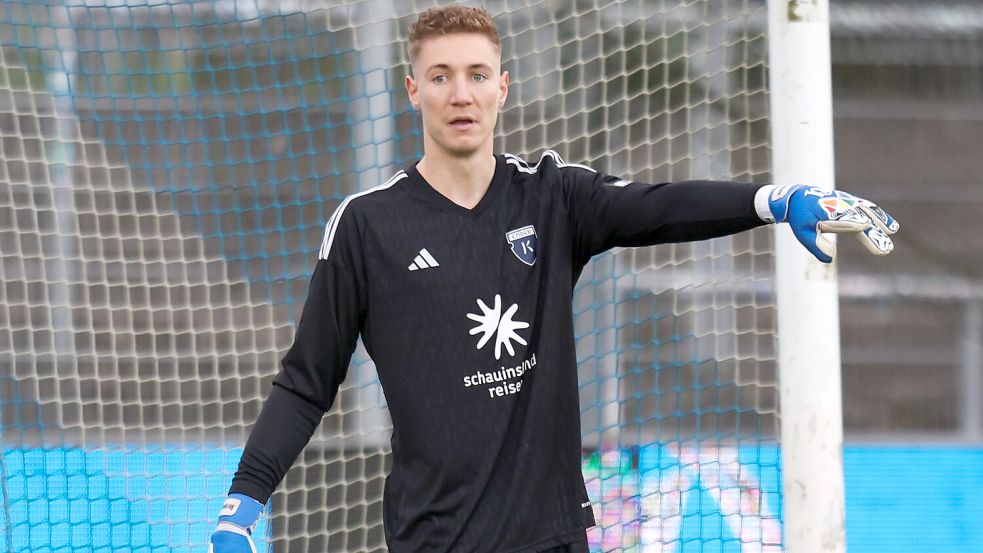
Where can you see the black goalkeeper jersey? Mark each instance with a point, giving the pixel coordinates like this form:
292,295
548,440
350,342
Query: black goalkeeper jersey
467,315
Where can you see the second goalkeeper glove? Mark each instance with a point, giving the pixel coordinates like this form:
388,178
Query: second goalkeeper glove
236,522
810,211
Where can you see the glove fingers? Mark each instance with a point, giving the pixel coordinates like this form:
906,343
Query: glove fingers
876,241
880,217
844,225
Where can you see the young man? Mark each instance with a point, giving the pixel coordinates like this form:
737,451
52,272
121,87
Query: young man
458,274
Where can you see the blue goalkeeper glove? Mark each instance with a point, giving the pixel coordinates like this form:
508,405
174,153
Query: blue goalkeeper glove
810,211
239,516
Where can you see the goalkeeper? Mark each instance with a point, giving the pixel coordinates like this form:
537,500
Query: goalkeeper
458,274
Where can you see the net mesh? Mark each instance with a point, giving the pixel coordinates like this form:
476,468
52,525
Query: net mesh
166,172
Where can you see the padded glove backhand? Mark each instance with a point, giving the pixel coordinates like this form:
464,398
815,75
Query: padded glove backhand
810,211
236,522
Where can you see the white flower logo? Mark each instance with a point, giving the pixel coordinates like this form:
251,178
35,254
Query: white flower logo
492,321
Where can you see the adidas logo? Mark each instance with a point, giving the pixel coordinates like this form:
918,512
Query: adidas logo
423,261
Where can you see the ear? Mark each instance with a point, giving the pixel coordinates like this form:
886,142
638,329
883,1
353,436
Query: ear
413,91
503,88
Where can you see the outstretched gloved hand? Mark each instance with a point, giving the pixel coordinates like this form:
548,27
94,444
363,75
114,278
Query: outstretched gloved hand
811,211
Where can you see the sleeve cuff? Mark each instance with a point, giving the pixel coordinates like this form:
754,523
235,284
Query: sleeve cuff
761,203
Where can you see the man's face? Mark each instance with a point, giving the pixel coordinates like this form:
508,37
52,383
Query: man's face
458,86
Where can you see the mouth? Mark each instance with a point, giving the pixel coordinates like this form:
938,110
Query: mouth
463,123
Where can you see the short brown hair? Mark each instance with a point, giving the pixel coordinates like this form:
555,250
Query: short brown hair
451,19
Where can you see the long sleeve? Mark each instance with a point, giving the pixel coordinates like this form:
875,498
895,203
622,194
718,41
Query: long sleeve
607,212
283,428
314,367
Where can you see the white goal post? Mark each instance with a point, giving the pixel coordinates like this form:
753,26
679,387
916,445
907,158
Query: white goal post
808,310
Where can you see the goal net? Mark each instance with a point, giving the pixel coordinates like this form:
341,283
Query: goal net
167,168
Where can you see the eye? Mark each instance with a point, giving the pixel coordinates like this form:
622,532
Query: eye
478,77
439,79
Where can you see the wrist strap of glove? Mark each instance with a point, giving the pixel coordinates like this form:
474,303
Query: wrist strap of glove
240,510
778,200
761,204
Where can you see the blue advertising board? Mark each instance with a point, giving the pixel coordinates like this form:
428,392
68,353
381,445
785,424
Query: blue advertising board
663,497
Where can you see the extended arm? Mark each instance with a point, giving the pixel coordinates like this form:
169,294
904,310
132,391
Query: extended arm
606,212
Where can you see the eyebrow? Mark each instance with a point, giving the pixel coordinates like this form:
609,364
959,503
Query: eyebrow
444,66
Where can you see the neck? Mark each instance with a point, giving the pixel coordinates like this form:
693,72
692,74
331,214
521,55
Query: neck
461,179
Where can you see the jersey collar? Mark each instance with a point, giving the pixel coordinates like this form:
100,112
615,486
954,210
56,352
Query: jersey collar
430,194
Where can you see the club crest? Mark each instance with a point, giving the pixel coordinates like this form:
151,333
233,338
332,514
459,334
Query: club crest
524,243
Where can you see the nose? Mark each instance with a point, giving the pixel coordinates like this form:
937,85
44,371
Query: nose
461,93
